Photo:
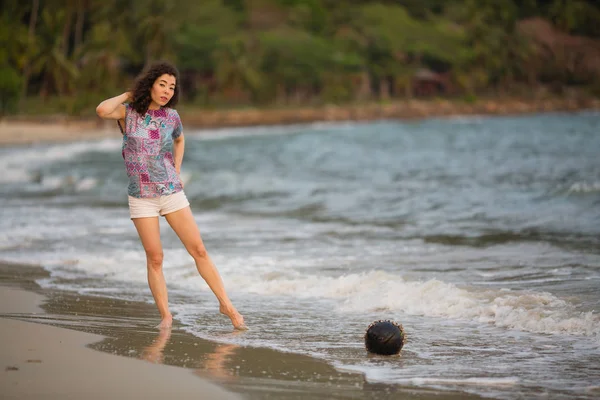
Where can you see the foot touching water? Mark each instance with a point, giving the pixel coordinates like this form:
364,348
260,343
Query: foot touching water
236,318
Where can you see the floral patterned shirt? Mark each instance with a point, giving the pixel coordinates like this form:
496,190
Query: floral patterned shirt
148,152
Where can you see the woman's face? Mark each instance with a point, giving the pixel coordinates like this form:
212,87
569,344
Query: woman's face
162,90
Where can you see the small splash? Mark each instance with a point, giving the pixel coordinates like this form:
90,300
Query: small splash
584,187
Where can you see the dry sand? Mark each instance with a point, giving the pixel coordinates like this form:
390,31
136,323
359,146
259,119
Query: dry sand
17,131
46,362
21,132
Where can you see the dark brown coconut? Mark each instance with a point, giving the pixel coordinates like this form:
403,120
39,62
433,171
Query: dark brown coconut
384,337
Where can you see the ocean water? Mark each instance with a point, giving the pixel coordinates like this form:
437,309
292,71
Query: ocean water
480,235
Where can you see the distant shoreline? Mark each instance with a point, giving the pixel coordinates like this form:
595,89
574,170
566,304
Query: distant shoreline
405,110
16,130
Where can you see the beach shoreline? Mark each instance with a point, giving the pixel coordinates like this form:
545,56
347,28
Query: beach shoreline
44,361
285,217
93,347
27,130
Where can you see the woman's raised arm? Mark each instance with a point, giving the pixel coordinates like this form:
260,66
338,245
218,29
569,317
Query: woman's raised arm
113,108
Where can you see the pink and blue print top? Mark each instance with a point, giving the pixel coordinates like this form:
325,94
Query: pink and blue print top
148,152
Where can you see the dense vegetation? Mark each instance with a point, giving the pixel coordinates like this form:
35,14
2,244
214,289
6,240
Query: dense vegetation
262,52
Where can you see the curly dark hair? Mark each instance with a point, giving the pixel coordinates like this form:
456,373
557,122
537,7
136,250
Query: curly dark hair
143,84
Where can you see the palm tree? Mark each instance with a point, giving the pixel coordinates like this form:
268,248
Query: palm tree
57,71
156,22
100,58
236,66
35,4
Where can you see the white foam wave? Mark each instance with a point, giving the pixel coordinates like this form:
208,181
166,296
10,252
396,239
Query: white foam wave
584,187
86,184
474,381
19,165
375,291
383,373
266,130
24,235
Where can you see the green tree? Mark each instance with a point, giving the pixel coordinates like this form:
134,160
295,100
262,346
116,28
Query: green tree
198,44
497,53
394,44
26,67
10,85
298,61
237,67
261,51
58,72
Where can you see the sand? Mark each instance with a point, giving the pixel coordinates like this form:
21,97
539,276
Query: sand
32,130
42,361
26,133
64,345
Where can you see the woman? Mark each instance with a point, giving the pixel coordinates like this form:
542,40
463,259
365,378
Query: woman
153,147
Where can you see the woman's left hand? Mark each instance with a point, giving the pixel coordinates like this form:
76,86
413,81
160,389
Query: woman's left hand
179,175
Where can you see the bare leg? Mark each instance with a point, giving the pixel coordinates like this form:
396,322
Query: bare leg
185,227
149,232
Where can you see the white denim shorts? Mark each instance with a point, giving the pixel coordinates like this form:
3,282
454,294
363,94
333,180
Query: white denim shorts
153,207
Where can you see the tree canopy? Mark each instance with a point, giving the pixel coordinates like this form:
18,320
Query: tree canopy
241,52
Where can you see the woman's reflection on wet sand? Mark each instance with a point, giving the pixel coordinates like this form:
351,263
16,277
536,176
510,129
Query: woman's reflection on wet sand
155,352
216,363
213,365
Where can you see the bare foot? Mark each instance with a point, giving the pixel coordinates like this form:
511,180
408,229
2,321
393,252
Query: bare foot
166,322
236,318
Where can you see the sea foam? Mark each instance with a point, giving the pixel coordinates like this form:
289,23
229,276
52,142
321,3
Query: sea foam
20,165
538,312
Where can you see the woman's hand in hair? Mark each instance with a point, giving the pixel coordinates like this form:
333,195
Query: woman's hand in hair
113,108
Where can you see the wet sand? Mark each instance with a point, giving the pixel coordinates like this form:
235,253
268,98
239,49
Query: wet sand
63,345
43,361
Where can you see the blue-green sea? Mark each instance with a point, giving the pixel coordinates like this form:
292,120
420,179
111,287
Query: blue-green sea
480,235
